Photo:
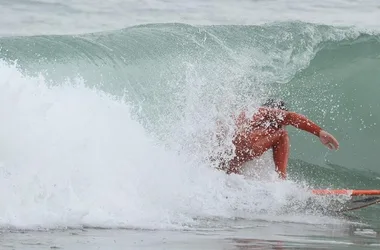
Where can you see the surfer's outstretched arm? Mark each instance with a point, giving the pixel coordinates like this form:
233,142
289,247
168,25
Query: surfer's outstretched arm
303,123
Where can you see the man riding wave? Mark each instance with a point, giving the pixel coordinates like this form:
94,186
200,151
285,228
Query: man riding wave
266,130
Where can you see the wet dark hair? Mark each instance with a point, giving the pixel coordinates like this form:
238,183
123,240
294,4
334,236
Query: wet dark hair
276,104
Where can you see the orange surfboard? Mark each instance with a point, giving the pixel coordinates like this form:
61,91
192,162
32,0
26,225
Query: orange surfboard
351,192
359,198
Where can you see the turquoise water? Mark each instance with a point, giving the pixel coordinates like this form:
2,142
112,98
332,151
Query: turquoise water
327,73
114,129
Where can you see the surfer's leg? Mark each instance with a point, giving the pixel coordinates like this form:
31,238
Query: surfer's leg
281,153
254,145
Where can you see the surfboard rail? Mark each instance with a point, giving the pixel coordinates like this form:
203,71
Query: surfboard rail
351,192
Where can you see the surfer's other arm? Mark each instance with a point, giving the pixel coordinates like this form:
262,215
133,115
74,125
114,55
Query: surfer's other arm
301,122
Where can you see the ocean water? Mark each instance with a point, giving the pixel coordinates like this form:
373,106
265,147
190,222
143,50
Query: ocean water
108,113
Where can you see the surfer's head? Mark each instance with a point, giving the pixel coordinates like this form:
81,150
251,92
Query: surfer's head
276,104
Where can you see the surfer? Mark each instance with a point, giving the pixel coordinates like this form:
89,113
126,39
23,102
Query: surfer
266,130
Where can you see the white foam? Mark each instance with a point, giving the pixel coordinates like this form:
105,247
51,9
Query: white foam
73,156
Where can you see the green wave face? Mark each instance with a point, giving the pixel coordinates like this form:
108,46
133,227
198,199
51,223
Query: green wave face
339,89
181,78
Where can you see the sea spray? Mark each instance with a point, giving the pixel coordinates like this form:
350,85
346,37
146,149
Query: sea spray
72,156
115,129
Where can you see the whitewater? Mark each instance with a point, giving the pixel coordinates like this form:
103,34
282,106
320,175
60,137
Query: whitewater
108,126
73,156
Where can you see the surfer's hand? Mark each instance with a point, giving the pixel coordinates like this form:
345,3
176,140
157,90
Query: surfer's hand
328,140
